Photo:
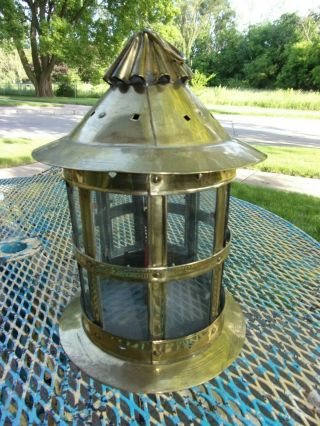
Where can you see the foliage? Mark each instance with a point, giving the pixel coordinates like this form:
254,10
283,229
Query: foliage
195,18
11,69
60,31
65,89
280,54
200,80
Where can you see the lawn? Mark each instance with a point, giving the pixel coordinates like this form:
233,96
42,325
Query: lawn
301,210
17,151
290,161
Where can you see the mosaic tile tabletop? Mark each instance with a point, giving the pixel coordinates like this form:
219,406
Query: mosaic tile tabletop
273,272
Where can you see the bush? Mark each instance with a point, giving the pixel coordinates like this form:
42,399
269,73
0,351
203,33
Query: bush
66,90
200,80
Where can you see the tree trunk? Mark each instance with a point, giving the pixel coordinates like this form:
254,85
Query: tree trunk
43,86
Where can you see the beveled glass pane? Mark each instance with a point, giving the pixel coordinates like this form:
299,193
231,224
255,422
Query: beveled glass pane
125,308
188,306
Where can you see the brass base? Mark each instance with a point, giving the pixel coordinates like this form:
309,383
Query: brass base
152,378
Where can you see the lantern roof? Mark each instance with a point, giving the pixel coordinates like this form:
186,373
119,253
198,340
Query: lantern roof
147,58
149,121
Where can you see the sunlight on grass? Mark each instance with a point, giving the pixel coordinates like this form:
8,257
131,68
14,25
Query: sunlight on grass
301,210
290,161
17,151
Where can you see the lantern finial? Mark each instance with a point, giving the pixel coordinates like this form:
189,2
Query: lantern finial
148,59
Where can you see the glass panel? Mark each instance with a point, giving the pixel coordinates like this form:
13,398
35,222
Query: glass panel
190,226
120,228
187,306
75,213
125,308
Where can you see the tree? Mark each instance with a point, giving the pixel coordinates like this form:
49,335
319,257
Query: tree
196,17
267,48
82,33
11,70
221,51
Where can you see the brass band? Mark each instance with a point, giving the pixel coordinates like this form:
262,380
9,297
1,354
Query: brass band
141,184
153,274
157,351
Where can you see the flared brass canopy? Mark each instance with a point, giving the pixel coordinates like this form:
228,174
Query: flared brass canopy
148,121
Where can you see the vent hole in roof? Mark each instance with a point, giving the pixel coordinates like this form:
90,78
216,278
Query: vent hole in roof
102,114
93,112
135,117
187,118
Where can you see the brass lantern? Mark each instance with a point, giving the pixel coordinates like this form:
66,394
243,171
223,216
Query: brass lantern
148,172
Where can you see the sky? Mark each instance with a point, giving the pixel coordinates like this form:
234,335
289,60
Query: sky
254,11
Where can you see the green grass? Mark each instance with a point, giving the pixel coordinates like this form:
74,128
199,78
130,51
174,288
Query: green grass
290,161
17,151
286,99
264,112
301,210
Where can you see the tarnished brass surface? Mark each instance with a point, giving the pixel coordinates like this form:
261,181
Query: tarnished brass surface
174,133
147,58
143,377
139,184
156,351
152,274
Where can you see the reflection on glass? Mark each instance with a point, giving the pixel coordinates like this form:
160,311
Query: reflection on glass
125,308
187,306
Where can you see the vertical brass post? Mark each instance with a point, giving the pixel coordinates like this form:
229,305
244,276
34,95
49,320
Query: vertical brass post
219,235
157,256
90,249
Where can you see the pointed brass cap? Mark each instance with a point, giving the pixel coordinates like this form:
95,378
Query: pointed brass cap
144,126
148,59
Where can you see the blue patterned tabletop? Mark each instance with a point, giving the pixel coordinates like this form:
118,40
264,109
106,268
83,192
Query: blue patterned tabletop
273,272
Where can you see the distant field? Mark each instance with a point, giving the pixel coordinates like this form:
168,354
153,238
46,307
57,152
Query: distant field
286,99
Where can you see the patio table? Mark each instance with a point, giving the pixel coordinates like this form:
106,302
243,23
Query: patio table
272,271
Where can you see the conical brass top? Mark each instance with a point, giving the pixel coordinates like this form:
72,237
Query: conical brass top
148,59
148,121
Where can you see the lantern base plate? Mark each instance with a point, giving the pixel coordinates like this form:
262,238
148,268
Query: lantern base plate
153,378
